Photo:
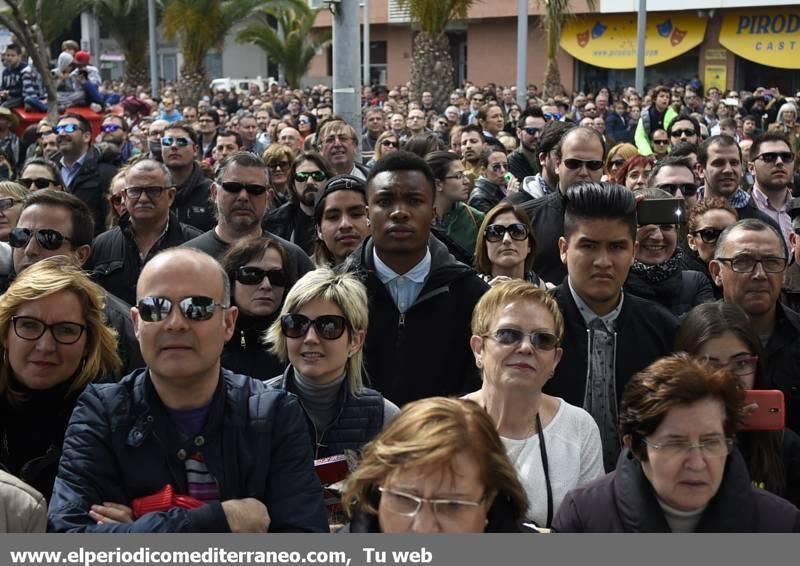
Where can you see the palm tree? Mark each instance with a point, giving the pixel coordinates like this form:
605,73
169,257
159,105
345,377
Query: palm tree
292,45
35,25
126,21
201,26
431,65
556,14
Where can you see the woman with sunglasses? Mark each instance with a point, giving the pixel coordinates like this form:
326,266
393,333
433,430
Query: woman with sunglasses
39,173
294,220
439,468
554,446
617,156
12,196
116,198
279,159
387,143
707,219
459,221
505,246
721,334
259,281
54,343
633,172
306,125
659,141
320,332
659,271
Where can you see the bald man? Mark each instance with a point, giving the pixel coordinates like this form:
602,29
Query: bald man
237,448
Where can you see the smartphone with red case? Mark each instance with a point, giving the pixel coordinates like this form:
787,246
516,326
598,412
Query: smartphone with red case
770,414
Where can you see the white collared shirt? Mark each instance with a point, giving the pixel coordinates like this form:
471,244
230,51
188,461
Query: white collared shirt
405,288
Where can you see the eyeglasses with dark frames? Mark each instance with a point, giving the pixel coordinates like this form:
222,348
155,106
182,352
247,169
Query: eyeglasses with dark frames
31,328
747,263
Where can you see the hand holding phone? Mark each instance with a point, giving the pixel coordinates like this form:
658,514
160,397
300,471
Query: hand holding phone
661,211
764,410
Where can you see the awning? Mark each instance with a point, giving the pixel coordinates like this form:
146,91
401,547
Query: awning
770,36
609,41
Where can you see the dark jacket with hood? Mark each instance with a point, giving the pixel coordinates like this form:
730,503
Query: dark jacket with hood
121,444
359,418
624,501
92,182
115,263
425,351
193,201
485,195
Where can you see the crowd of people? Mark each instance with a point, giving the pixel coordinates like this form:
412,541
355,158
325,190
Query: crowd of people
464,310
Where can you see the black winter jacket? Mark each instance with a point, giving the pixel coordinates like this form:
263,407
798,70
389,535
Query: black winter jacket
290,223
118,317
624,502
678,293
645,332
121,445
92,182
692,261
520,167
115,262
246,353
485,195
425,351
358,420
193,201
547,221
782,362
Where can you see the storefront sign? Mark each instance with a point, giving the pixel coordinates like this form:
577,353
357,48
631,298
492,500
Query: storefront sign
769,36
609,41
716,55
716,76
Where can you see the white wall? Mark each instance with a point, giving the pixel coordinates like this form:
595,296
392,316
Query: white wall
615,6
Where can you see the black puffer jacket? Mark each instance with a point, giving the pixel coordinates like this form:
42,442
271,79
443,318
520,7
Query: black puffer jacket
246,353
193,201
485,195
92,182
121,444
624,502
115,263
678,293
425,351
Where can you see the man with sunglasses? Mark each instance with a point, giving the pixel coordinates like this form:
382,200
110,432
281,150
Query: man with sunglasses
192,200
114,130
119,255
772,165
85,170
421,299
579,157
676,176
683,129
57,223
238,448
241,196
524,161
749,264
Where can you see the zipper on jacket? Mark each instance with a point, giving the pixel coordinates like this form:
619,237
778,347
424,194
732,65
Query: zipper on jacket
402,321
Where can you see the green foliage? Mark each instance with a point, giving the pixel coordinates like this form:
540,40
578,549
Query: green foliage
126,21
57,15
294,44
432,16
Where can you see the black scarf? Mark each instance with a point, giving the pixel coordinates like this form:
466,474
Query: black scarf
662,271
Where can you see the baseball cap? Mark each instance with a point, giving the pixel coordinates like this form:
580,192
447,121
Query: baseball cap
82,57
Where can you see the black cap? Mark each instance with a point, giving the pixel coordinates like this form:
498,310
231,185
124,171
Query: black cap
338,183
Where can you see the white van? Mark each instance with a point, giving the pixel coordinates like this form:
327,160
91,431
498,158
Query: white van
241,84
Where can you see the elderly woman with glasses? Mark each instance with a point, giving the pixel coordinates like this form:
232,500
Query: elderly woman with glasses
505,246
439,468
554,446
259,281
659,272
721,334
678,471
320,333
707,219
54,343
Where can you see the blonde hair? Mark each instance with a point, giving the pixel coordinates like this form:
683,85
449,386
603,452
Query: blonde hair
48,277
10,189
346,292
428,434
508,292
276,151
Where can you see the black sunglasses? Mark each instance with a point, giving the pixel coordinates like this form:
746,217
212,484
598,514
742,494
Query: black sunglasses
708,235
157,309
248,275
591,165
40,182
48,239
532,131
496,232
8,202
234,187
679,133
389,143
302,176
686,189
772,156
327,327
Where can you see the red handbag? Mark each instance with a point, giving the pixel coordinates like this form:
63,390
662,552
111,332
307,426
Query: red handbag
163,500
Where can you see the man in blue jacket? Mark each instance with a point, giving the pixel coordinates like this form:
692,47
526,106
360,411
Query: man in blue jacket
238,449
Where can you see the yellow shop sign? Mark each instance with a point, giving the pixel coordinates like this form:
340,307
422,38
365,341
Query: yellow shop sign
770,36
609,41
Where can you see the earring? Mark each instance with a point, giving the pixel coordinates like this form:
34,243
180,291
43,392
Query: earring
349,354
